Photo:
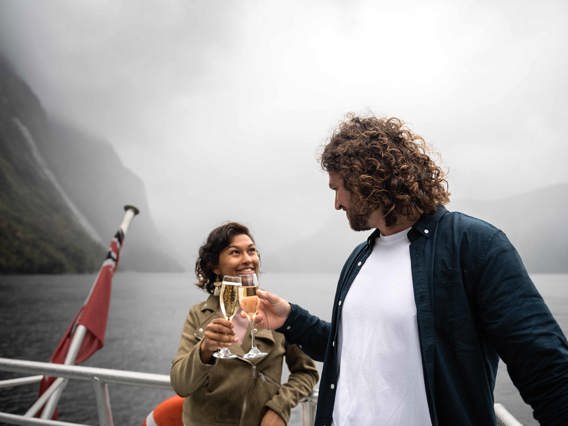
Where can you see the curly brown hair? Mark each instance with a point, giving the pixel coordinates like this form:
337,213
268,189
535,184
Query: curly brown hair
385,165
208,259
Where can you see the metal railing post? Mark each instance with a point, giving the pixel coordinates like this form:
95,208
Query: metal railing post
103,402
42,400
309,405
20,381
504,418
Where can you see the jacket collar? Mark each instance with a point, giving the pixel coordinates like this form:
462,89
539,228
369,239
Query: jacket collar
427,224
425,227
211,304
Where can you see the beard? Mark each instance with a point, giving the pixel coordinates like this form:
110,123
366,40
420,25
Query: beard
359,218
358,223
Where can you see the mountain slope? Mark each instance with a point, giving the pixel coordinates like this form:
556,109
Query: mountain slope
62,194
92,174
38,231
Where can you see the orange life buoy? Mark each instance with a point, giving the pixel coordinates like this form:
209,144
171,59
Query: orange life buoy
167,413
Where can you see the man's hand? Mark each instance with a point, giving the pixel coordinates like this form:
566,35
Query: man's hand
272,419
272,310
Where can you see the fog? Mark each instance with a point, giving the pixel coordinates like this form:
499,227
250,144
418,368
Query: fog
221,107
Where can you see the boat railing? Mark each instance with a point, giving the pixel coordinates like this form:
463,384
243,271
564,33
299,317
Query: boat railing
101,378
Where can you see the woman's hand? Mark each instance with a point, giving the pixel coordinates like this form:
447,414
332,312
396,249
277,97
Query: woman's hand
272,310
270,418
219,333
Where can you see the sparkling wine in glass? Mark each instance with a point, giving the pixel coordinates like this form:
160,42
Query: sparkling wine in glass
229,301
249,304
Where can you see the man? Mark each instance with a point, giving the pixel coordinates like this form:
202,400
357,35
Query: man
426,306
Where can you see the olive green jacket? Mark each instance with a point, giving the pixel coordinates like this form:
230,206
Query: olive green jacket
237,391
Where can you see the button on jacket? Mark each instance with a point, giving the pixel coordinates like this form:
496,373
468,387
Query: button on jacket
475,303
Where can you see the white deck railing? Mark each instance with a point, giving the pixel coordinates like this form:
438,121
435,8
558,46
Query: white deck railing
99,377
102,377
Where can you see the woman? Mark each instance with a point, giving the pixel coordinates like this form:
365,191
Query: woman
234,391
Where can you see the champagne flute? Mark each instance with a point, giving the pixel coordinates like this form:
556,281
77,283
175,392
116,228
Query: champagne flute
229,301
249,304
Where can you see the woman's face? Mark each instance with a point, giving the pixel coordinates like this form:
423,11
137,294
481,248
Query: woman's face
238,258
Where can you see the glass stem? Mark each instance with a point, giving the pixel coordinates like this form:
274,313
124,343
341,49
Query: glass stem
252,332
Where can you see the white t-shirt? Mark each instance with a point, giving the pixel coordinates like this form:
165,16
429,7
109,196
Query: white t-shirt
381,381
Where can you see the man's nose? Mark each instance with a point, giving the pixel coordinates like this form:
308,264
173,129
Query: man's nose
337,203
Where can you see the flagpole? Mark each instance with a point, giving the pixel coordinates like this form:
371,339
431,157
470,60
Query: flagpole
129,213
80,331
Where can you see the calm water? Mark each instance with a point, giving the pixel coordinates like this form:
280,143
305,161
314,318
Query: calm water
146,315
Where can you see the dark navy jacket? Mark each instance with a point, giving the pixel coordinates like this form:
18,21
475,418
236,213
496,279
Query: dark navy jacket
475,303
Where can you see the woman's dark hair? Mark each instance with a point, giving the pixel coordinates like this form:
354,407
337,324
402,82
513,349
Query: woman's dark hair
218,239
385,165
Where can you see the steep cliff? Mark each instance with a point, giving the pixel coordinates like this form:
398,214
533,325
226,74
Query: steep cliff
39,233
93,176
62,193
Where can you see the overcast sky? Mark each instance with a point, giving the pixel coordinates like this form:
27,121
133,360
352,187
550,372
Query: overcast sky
220,107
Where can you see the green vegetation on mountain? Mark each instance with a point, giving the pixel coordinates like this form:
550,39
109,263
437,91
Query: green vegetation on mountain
38,233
